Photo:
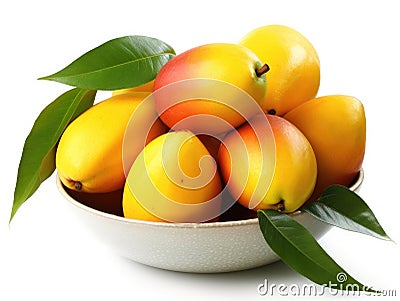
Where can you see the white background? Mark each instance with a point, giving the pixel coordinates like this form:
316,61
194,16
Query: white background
46,254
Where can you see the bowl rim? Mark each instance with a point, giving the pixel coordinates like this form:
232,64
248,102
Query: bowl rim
252,221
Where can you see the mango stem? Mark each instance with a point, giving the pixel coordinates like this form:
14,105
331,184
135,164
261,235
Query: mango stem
262,70
278,206
78,185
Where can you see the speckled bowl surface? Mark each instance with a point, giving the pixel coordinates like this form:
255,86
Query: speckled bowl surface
224,246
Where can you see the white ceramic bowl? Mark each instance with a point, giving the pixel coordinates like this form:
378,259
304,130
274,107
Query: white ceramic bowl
187,247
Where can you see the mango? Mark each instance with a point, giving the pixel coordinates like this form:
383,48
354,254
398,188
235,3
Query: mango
174,179
89,156
268,166
336,128
295,69
210,88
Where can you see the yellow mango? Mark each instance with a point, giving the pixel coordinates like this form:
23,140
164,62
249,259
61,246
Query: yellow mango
89,156
172,180
336,128
295,69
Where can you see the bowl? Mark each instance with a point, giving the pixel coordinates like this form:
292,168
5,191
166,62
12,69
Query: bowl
213,247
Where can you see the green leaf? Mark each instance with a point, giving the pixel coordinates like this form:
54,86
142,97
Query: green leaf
341,207
294,244
119,63
37,160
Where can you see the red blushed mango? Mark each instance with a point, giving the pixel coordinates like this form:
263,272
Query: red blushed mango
268,168
218,86
336,128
